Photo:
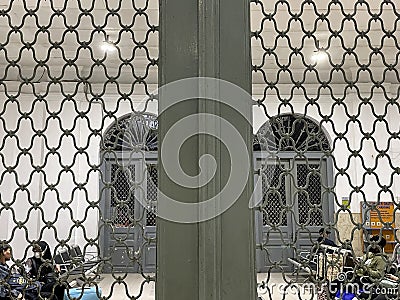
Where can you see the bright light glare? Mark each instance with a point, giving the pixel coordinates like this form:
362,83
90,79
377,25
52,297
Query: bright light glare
319,56
108,47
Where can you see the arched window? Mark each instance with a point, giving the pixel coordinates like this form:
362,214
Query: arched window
291,132
132,131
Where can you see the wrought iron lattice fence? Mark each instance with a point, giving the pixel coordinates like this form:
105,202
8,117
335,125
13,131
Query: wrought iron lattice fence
326,83
69,70
333,65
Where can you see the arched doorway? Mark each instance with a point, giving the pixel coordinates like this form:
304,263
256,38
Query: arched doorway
294,169
128,193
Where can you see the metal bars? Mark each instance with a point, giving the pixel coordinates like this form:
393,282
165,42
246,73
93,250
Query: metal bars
68,71
335,64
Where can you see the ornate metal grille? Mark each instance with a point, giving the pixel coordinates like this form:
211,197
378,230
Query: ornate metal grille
291,133
274,196
122,196
69,69
152,184
132,132
309,198
335,62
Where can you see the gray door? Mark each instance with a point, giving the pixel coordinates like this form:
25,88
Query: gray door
129,222
312,205
292,193
274,225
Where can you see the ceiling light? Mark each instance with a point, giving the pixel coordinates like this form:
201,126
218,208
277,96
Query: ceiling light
108,46
319,55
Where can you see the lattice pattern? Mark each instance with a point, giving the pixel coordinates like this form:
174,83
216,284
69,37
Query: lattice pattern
310,196
274,196
334,63
122,195
60,91
68,71
291,133
135,131
152,184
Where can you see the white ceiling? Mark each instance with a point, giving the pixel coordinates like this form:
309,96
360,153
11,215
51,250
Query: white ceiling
111,25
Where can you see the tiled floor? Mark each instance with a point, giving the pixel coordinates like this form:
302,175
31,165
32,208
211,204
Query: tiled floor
132,285
135,285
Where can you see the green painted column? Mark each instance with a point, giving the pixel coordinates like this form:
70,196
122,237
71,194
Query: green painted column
198,256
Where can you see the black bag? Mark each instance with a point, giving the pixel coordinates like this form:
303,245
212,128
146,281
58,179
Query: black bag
50,278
